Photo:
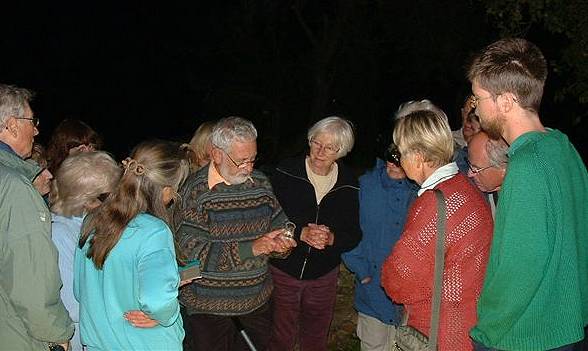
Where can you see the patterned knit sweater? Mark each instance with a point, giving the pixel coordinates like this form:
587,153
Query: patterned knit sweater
218,227
408,273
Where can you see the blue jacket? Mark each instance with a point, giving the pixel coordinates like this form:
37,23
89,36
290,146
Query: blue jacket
383,206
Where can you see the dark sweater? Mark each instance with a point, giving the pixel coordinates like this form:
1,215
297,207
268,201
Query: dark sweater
339,210
218,227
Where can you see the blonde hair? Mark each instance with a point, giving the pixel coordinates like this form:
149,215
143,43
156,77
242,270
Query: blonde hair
80,180
427,133
200,144
153,165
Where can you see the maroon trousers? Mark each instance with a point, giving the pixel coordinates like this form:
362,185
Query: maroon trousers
302,311
207,332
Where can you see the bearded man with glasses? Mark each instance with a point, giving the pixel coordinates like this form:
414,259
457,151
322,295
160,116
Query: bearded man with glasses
535,294
231,222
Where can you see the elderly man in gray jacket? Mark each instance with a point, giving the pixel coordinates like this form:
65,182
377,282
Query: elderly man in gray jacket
32,315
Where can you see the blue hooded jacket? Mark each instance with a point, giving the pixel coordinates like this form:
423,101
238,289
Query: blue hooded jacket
383,206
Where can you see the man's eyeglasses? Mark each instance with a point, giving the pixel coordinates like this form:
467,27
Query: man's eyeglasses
474,100
241,164
476,170
392,155
35,120
329,149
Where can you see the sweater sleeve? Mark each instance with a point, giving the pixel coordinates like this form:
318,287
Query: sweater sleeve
159,278
355,259
407,272
34,274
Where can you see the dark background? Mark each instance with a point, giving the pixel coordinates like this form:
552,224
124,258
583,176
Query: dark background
135,71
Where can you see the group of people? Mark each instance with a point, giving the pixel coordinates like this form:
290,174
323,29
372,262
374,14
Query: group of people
91,250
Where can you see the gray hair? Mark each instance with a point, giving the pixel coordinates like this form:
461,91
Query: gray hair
497,153
341,129
409,107
12,102
230,129
80,179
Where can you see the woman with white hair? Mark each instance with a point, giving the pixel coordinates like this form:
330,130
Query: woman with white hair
81,184
320,195
426,147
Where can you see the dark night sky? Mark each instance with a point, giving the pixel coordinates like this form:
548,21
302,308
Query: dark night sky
118,67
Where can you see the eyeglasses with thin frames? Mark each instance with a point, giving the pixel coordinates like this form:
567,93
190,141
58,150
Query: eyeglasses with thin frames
476,170
329,149
474,100
241,164
35,120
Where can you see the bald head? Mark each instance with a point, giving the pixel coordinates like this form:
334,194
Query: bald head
488,162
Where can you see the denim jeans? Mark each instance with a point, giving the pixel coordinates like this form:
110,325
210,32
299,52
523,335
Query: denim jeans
480,347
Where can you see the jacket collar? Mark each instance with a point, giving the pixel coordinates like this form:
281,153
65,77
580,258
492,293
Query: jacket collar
10,159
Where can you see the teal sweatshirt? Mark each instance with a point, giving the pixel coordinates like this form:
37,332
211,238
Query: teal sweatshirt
140,273
535,294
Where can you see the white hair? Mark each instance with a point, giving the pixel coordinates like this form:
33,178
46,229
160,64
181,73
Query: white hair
423,105
341,129
497,153
81,179
230,129
13,101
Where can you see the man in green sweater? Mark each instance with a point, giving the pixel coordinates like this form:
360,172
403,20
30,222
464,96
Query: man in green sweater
535,294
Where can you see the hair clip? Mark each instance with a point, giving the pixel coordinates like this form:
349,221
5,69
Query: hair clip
132,165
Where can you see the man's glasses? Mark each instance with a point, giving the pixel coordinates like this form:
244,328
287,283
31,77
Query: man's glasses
35,120
329,149
242,164
476,170
474,100
392,155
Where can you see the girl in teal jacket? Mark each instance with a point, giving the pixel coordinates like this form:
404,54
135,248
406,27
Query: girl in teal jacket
126,262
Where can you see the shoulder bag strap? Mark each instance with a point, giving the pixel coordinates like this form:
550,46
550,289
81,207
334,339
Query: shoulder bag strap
439,265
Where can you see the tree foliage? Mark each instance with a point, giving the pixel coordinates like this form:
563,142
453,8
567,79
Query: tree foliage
566,21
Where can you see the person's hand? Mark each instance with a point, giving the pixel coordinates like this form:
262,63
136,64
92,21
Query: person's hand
139,319
366,280
284,243
317,235
187,281
272,242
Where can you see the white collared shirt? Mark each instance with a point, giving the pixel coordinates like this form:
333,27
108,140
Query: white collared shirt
441,174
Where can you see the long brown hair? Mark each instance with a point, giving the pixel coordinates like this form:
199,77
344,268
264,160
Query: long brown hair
152,166
68,134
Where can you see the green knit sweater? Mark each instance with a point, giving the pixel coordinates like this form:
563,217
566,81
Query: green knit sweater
535,294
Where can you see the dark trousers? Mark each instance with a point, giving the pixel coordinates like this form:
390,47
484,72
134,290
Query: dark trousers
480,347
302,309
207,332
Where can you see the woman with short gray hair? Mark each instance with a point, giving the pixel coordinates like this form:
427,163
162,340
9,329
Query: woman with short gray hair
320,195
82,183
426,144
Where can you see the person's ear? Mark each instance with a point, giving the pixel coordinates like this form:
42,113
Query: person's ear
11,126
506,102
216,155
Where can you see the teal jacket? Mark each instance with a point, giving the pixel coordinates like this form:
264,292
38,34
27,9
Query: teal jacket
140,273
535,294
31,311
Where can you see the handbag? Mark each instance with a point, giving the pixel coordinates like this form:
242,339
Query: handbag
407,337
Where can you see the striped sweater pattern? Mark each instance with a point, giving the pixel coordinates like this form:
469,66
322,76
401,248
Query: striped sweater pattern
218,227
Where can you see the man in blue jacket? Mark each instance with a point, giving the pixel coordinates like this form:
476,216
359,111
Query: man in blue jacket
384,198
